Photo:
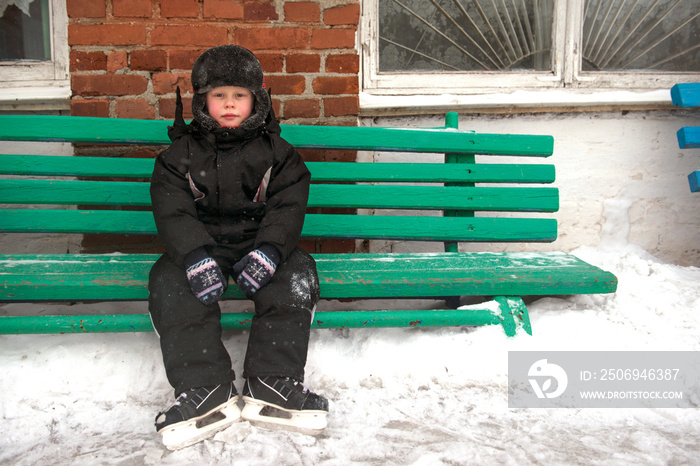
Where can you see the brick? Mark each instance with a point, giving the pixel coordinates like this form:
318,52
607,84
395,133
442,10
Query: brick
336,246
207,36
105,244
166,107
347,121
340,155
276,106
303,63
165,83
88,61
271,62
183,59
90,108
347,15
148,60
348,63
223,9
308,245
108,84
286,84
333,39
108,34
132,8
134,109
287,38
116,61
179,9
86,9
302,12
302,108
341,106
311,155
141,154
260,11
336,85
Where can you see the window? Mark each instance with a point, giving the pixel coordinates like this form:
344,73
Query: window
581,48
34,55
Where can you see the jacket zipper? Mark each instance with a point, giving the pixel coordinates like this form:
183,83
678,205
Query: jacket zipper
218,191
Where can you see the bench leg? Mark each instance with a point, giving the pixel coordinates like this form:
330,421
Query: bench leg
514,315
452,302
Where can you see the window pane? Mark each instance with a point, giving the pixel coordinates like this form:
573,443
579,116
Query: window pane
25,30
653,35
465,35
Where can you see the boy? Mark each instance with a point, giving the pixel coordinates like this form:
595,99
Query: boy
229,198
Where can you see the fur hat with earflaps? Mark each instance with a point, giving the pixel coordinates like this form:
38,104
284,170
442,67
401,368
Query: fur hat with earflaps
229,65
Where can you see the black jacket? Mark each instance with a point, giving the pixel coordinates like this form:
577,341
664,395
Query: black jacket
229,187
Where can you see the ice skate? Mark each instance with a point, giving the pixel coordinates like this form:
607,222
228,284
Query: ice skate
197,414
283,402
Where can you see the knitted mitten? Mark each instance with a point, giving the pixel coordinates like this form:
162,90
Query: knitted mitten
256,269
204,274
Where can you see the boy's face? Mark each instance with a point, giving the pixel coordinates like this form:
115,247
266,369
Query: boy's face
230,105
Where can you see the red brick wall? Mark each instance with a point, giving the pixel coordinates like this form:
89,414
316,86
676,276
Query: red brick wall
127,56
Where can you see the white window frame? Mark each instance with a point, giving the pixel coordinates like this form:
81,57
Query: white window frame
566,86
40,85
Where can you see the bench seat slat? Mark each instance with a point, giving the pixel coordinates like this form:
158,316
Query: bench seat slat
124,131
125,277
422,228
118,167
72,192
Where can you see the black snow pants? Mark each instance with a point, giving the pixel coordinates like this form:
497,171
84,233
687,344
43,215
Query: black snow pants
190,332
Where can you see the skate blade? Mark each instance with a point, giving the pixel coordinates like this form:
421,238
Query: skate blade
186,433
275,417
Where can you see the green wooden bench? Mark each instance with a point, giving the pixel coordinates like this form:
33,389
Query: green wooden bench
688,95
456,201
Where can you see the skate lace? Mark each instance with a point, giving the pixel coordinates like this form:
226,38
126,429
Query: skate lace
180,399
304,388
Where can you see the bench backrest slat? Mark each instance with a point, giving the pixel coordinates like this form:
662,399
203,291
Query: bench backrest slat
123,131
315,226
71,192
124,167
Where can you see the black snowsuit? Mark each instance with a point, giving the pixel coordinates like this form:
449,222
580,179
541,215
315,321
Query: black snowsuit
229,191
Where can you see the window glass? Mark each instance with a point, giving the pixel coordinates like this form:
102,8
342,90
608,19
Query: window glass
461,35
25,30
647,35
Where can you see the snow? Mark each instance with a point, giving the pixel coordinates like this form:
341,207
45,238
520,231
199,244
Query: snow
398,396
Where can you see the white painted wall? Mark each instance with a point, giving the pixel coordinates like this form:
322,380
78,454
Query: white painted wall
629,159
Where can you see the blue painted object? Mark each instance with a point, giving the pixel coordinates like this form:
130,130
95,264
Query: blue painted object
687,95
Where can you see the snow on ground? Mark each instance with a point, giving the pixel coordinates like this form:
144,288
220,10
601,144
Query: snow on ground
398,396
